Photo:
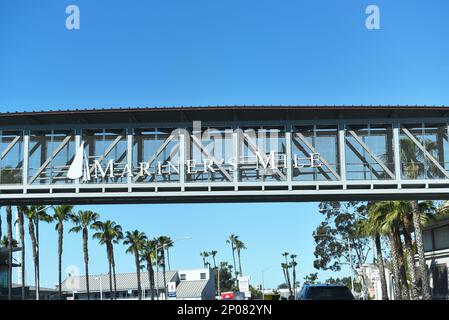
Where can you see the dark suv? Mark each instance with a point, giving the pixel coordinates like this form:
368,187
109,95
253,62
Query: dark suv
325,292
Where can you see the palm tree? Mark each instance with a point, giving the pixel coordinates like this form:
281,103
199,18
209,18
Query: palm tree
168,244
239,245
231,240
9,232
35,214
371,227
412,157
163,241
294,264
387,215
108,232
20,220
147,254
213,253
84,221
285,267
135,241
204,255
62,213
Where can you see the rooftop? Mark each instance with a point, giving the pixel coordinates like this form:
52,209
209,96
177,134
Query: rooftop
125,281
215,113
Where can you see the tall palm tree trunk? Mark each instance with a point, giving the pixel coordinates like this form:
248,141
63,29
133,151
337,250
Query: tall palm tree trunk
113,271
37,261
233,259
381,266
165,280
168,259
410,257
403,274
426,294
289,284
240,263
22,243
150,277
9,232
86,260
60,239
31,231
139,286
396,268
111,291
294,281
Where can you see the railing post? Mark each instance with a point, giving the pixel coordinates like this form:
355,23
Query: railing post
397,158
341,152
129,155
182,157
26,154
288,147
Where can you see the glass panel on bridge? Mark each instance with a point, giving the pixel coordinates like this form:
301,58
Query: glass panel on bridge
157,150
322,140
105,145
424,148
50,153
369,152
11,160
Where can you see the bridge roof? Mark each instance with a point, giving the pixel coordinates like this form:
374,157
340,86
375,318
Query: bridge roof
217,113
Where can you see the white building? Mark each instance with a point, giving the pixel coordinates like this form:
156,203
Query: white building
436,247
197,284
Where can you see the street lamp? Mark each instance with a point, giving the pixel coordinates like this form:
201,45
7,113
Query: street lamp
157,265
101,286
348,243
263,280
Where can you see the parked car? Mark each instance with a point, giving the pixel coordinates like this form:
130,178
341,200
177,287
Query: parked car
325,292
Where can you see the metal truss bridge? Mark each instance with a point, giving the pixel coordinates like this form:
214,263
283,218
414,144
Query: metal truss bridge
224,154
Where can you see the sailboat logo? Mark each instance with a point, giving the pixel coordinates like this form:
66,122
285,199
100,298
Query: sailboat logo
80,166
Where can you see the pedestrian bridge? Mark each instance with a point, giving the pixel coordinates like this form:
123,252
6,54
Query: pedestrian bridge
224,154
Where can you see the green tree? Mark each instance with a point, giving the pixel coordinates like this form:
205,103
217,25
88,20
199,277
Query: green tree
213,253
61,214
293,264
204,255
9,246
239,246
148,253
35,215
337,239
285,268
21,210
372,228
311,278
135,241
108,233
226,280
386,214
412,159
84,221
163,241
231,240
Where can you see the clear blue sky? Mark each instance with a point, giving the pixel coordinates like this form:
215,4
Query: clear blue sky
204,52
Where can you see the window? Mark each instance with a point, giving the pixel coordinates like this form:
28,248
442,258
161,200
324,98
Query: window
440,284
427,239
441,236
182,276
203,276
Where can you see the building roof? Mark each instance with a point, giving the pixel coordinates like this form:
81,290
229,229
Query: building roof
190,289
439,221
125,281
214,113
